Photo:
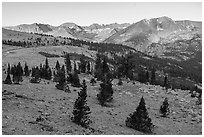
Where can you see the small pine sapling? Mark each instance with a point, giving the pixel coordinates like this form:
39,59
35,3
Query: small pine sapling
164,109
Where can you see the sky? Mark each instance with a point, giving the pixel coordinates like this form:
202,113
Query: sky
87,13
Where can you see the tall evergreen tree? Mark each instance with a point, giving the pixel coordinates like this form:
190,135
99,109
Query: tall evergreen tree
61,78
105,67
9,69
120,82
17,74
139,120
147,76
82,64
49,74
106,91
153,79
26,70
46,71
98,68
165,82
36,75
75,68
142,76
8,78
46,64
57,66
88,67
81,110
75,80
68,63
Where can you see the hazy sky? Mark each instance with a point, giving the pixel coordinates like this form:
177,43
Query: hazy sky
103,13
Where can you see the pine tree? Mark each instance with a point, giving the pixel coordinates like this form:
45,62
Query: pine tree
17,73
153,79
81,110
147,76
8,78
105,67
26,70
57,66
12,70
82,64
36,75
165,83
120,82
20,72
106,91
88,67
46,64
98,68
49,74
61,78
75,80
75,68
164,109
68,63
139,120
45,71
9,69
142,76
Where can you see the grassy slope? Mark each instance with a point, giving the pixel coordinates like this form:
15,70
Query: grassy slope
18,114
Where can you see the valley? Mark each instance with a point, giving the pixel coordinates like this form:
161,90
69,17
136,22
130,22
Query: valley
142,55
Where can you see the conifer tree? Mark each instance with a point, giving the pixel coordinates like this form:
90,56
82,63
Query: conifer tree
139,120
153,79
98,68
165,83
49,74
75,68
164,109
20,71
106,91
82,64
88,67
46,64
120,81
46,71
105,67
68,63
9,69
8,78
75,80
57,66
81,110
17,73
142,76
26,70
12,70
147,76
36,75
61,78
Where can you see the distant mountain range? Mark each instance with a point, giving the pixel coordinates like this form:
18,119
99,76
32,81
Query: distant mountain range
156,36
